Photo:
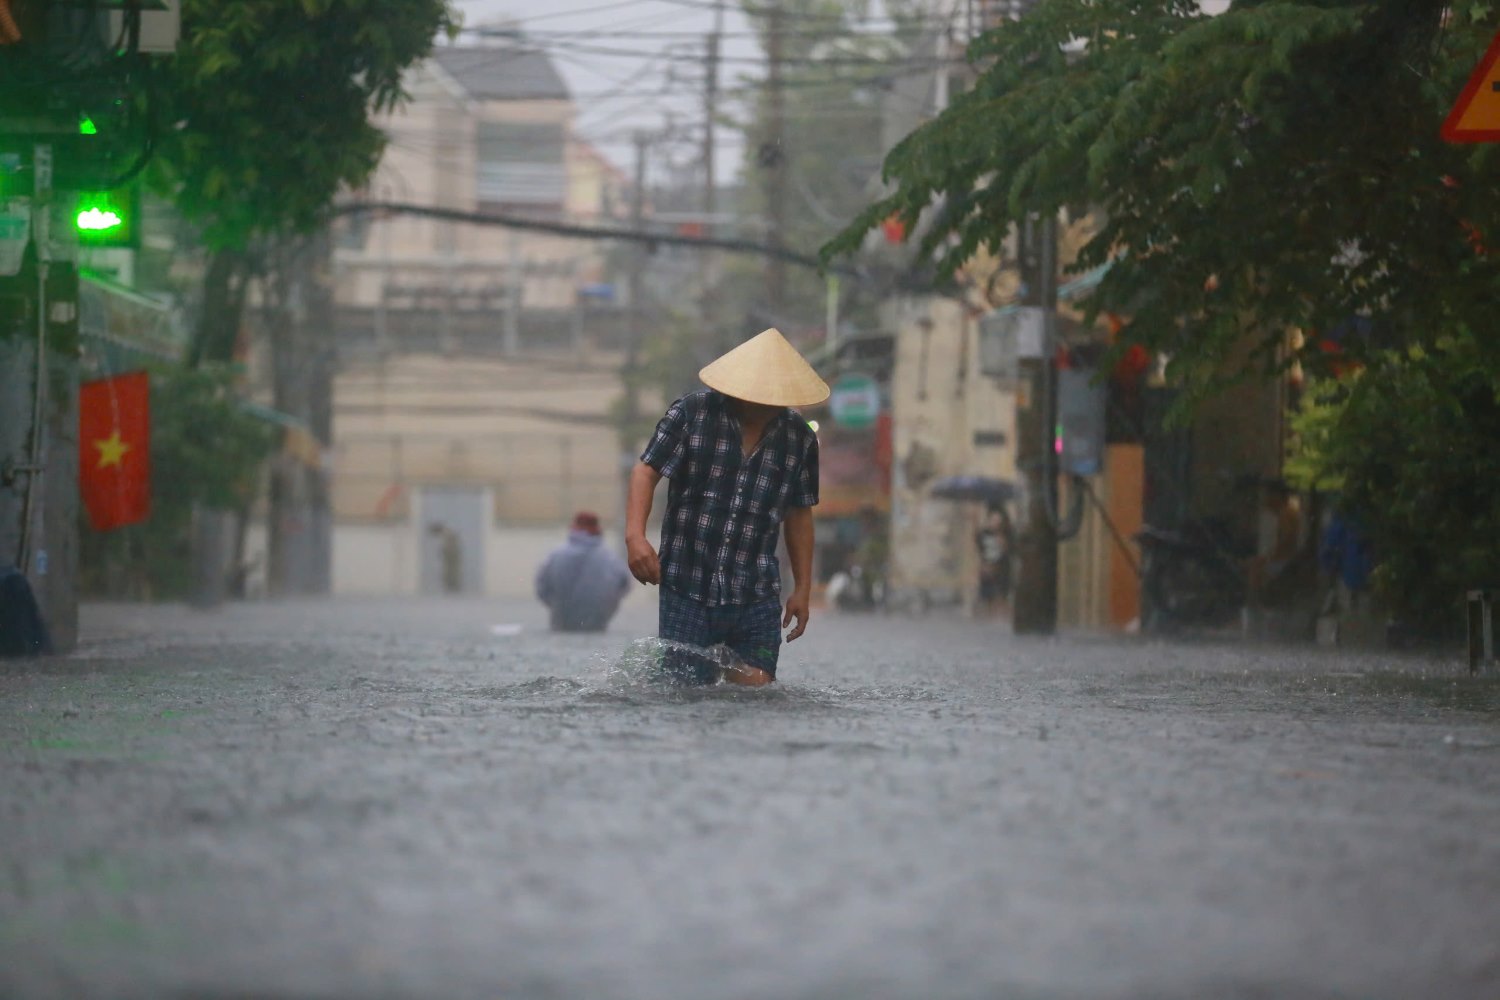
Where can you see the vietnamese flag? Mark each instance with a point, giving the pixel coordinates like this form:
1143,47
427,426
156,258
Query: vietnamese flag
114,450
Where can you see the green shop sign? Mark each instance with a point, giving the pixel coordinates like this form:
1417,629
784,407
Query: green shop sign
855,401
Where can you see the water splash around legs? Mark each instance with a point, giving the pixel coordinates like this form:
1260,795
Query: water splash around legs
652,661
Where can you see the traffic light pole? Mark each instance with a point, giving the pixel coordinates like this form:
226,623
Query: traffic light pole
1034,608
38,413
41,207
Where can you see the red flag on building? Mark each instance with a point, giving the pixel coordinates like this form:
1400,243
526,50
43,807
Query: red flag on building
114,450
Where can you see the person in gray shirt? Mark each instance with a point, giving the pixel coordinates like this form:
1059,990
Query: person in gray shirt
582,582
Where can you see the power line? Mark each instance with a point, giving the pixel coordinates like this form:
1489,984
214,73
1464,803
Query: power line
909,281
434,141
618,81
631,79
860,29
686,35
764,9
645,236
559,48
841,17
747,86
893,69
616,5
430,139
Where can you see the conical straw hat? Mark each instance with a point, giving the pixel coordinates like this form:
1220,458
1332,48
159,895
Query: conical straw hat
766,369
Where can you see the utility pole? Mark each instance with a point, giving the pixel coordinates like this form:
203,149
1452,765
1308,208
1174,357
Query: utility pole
39,407
510,341
710,182
636,313
635,317
383,343
710,113
1034,610
41,208
772,157
1034,607
575,322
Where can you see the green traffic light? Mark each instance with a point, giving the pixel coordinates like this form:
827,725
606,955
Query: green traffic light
106,218
98,220
86,125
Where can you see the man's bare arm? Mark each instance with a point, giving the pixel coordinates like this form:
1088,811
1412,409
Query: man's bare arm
798,527
644,564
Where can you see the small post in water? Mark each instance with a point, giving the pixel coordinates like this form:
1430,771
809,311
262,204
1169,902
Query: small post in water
1481,608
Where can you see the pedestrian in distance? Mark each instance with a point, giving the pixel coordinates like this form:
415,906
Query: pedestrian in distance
1279,544
450,556
742,467
1345,554
581,581
994,540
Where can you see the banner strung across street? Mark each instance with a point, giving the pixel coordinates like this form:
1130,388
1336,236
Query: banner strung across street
114,450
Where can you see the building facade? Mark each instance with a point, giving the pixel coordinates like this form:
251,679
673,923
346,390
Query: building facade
478,364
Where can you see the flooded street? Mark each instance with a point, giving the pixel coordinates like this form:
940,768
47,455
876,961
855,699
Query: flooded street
394,799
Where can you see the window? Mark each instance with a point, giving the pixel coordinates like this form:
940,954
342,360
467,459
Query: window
521,164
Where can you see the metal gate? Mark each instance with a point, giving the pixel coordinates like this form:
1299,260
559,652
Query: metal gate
452,541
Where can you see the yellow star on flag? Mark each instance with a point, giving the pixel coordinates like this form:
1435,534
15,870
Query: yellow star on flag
111,449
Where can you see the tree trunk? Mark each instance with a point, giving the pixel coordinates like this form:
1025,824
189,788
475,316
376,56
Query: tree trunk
299,320
224,286
283,515
320,342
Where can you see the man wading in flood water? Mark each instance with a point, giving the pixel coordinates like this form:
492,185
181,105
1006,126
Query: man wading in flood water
740,463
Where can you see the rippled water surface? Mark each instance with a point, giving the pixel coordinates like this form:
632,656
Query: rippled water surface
443,800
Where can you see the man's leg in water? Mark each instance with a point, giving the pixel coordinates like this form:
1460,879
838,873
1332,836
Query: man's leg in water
746,675
753,634
683,624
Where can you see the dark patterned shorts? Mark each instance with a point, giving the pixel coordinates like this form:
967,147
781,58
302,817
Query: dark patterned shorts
751,631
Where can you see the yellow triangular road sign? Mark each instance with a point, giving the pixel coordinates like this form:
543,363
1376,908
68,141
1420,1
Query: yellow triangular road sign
1476,114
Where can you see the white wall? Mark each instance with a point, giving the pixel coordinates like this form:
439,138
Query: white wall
512,557
375,559
939,399
382,559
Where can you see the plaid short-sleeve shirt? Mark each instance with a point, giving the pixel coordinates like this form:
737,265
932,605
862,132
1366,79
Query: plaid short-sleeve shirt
724,509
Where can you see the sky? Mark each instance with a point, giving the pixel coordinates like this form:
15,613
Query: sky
652,74
636,65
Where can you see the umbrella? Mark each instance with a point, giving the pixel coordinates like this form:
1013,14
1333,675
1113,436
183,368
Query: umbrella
981,488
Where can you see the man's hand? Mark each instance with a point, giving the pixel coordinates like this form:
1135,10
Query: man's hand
796,607
644,565
798,527
639,554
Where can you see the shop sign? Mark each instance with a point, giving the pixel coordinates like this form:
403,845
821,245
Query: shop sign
855,401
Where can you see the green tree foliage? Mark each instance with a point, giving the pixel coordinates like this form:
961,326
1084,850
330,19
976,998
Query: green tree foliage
1410,443
1277,165
270,105
267,106
206,451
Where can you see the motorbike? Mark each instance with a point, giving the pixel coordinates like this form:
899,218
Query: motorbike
856,589
1193,578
